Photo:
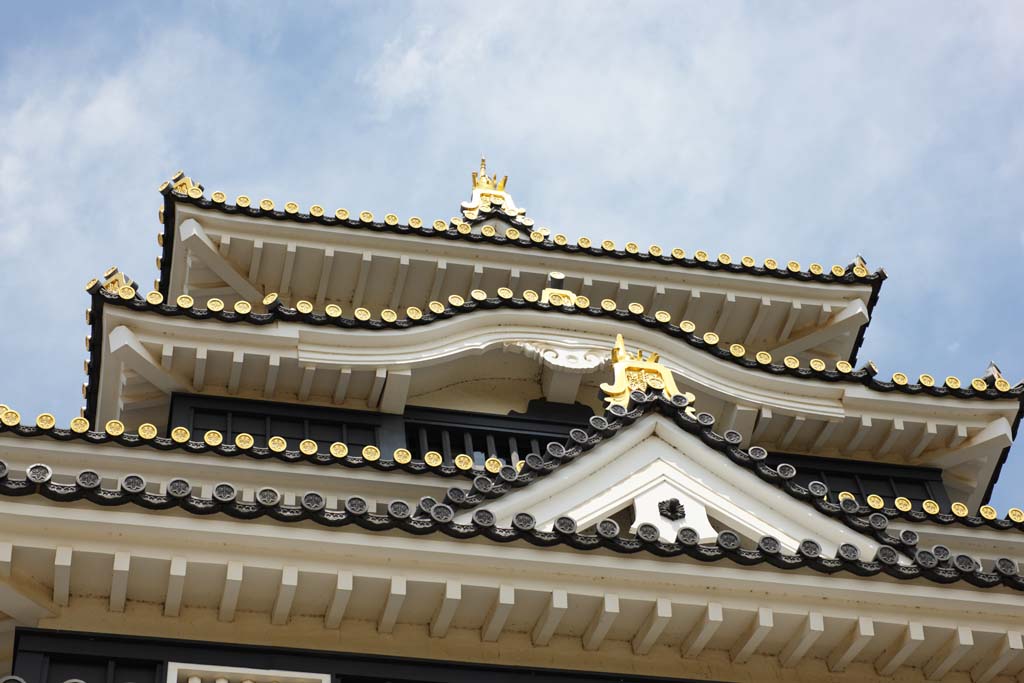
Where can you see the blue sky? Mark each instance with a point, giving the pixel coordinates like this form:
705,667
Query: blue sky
809,131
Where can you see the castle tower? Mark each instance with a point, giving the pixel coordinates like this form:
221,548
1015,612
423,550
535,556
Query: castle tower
330,446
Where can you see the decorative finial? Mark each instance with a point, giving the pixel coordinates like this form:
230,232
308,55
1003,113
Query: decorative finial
635,372
488,194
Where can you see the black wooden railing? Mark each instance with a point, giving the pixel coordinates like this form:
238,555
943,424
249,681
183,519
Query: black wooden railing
509,438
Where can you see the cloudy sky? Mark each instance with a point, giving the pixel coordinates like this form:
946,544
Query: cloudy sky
808,131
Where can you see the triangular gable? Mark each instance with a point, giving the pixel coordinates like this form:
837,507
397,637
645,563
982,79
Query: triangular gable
655,461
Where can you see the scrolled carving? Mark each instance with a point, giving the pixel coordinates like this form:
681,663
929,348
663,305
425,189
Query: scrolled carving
564,358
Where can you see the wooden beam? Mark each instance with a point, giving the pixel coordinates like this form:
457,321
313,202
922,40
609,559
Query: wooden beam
850,646
601,622
282,608
692,304
198,243
397,592
959,643
166,356
807,635
995,661
440,271
702,632
235,375
21,606
199,372
6,559
376,388
656,621
893,657
257,259
285,283
396,391
555,608
929,430
866,424
824,313
478,275
764,420
62,576
365,265
445,613
273,368
119,581
787,326
339,600
848,320
824,435
892,437
498,614
326,268
559,385
958,436
725,315
764,309
306,383
229,596
744,421
175,586
399,287
759,628
341,386
225,246
994,437
126,348
795,425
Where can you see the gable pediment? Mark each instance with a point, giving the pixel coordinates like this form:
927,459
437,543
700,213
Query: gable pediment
655,461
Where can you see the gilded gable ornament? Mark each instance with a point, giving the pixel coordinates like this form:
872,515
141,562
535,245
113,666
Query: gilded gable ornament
489,194
634,372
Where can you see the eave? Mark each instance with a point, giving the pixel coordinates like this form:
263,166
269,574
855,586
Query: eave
783,410
355,264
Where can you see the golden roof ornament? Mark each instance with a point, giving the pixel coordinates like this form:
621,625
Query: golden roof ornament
489,194
634,372
556,294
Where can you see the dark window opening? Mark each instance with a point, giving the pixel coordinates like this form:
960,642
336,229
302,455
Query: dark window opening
864,478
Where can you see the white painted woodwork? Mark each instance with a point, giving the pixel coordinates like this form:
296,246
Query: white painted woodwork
397,591
62,575
897,653
339,600
285,596
504,601
724,293
759,628
656,621
601,622
446,610
194,238
959,643
703,631
232,587
1008,647
859,635
812,628
435,351
554,609
175,586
